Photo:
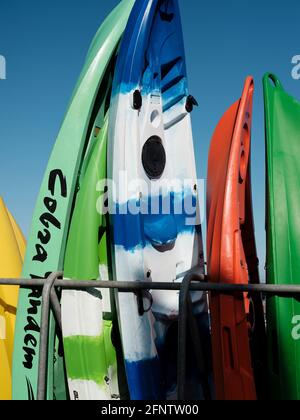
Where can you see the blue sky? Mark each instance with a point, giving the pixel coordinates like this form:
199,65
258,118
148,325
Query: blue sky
45,44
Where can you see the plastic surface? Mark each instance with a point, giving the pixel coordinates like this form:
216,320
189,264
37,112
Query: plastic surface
150,147
87,317
231,250
282,114
12,250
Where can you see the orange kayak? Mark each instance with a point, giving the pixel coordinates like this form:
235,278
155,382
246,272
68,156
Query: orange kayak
231,252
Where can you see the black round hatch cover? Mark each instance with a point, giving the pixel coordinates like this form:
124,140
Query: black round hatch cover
154,157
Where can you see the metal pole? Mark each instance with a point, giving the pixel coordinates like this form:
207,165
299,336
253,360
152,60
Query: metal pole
226,289
182,322
56,308
44,336
199,350
273,290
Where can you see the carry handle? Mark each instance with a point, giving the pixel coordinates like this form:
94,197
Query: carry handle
272,77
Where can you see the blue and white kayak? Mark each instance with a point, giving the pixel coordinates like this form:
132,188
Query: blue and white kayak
155,224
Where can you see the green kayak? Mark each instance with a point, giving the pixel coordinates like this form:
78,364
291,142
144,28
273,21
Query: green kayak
87,317
282,116
51,220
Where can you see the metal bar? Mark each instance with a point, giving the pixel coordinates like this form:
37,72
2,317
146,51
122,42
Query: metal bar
273,290
199,350
182,323
204,287
44,336
22,282
56,307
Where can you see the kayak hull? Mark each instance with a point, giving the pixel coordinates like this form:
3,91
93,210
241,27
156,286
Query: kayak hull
231,249
282,114
87,317
12,249
150,148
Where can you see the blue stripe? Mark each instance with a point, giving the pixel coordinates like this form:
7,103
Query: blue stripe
149,44
154,225
144,380
134,44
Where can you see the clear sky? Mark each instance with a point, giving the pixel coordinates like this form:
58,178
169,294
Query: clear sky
45,43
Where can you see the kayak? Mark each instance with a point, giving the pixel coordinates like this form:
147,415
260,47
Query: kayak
12,250
87,317
51,220
231,253
156,235
282,119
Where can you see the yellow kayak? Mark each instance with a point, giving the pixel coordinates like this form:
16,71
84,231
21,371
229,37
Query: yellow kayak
12,250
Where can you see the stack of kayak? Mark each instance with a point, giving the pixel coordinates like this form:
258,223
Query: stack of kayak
75,156
128,121
250,361
119,201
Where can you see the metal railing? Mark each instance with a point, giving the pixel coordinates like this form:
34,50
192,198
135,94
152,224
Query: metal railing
193,281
